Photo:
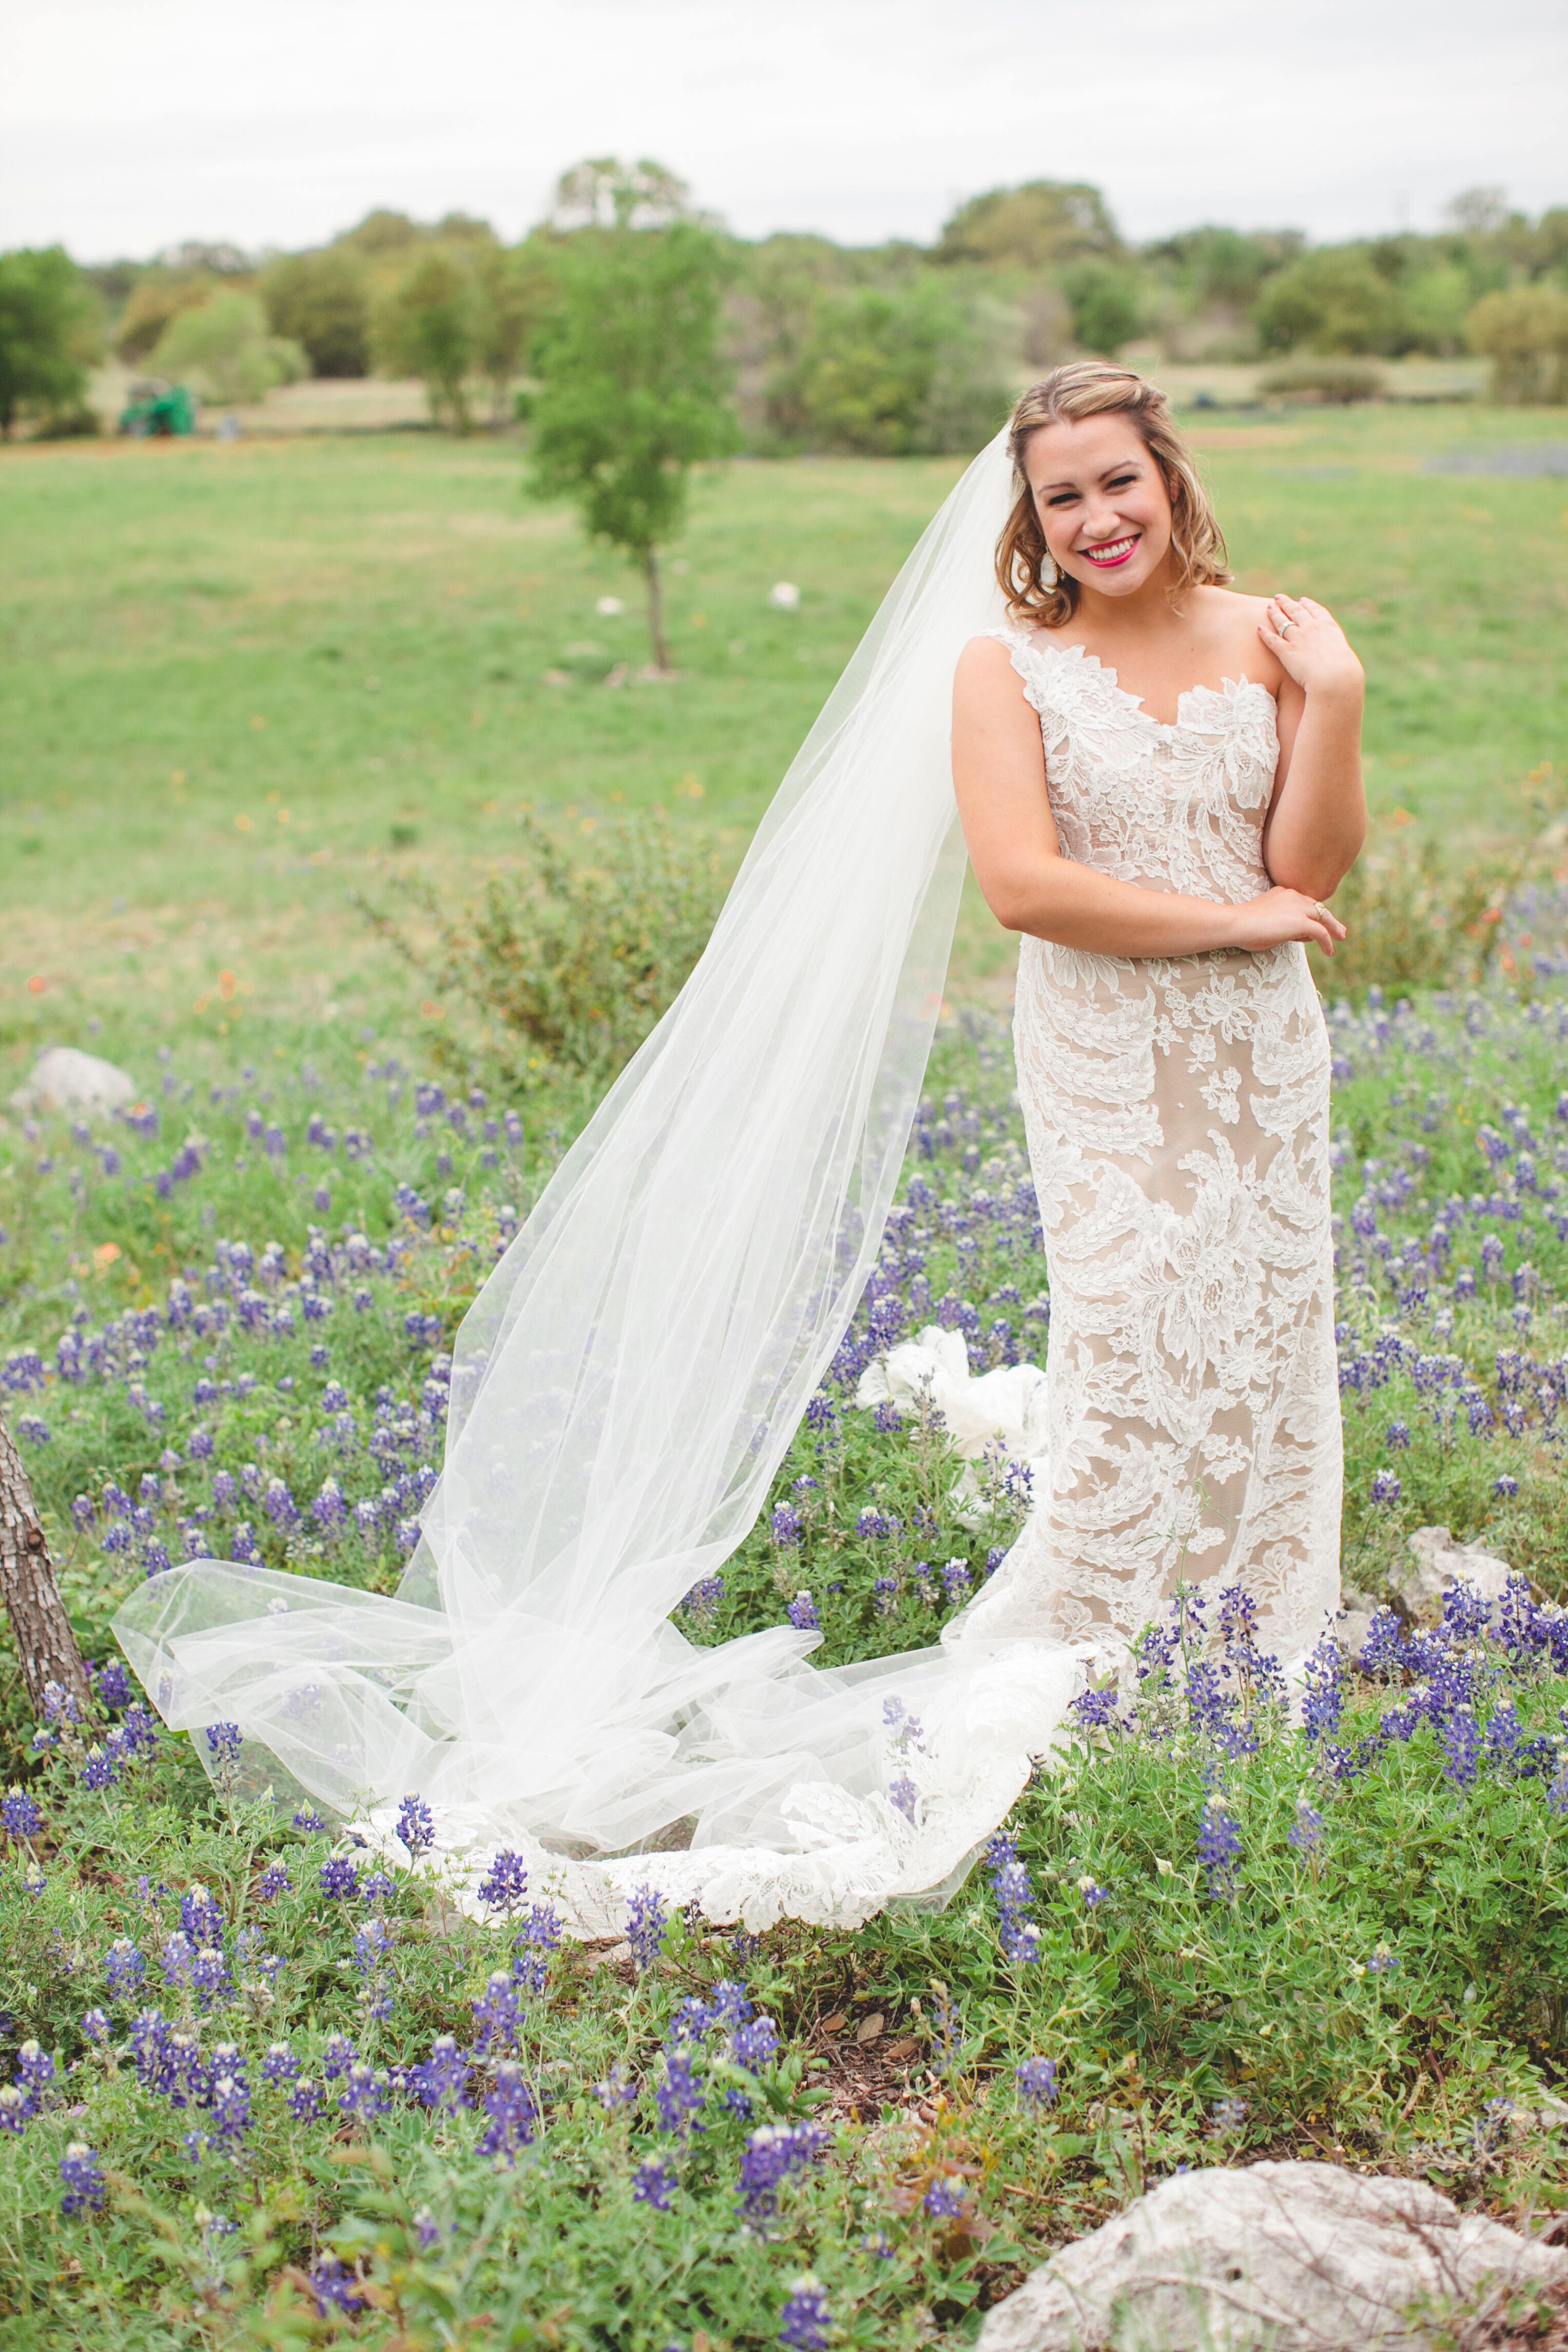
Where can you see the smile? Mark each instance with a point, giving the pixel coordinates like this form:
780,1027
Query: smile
1113,552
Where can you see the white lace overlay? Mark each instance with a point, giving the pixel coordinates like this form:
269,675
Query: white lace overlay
1177,1116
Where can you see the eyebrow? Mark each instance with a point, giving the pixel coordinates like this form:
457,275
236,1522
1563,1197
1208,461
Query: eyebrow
1114,467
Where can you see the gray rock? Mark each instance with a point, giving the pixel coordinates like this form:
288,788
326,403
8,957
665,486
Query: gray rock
1438,1562
65,1078
1270,2258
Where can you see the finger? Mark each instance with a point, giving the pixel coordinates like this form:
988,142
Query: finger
1322,938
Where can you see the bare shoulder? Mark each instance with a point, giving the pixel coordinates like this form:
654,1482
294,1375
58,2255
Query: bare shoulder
1235,619
985,672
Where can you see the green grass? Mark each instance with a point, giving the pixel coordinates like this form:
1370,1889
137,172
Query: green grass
237,683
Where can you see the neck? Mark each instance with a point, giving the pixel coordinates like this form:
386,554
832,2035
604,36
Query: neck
1146,611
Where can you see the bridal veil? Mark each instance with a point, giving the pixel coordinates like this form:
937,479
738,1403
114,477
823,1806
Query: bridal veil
626,1384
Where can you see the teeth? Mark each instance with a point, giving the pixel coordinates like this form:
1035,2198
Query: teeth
1106,554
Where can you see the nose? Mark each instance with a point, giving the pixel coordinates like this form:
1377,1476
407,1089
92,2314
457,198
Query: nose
1101,519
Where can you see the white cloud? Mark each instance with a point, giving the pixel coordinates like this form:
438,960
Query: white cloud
123,128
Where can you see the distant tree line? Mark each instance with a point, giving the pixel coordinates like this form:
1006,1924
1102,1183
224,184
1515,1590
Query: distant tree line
885,349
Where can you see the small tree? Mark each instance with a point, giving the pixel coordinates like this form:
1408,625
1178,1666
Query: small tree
45,333
635,390
1104,307
514,293
429,326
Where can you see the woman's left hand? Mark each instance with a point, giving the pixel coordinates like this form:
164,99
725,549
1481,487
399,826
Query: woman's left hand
1310,646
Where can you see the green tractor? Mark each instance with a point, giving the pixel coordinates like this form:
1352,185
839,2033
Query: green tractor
158,411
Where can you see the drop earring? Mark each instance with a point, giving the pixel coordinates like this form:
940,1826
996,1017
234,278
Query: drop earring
1048,574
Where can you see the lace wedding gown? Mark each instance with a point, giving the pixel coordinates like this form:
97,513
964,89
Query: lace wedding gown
1177,1117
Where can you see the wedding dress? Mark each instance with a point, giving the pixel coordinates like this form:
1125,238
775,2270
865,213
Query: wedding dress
628,1381
1177,1117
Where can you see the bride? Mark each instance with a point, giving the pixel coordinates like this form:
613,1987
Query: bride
1159,783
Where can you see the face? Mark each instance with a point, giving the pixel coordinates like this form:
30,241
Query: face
1102,503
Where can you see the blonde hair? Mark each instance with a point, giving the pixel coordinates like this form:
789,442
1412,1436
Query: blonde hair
1092,388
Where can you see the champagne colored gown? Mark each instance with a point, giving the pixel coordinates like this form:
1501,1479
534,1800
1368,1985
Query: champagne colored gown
1177,1116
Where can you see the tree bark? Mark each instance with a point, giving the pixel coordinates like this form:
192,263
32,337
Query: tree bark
656,607
39,1626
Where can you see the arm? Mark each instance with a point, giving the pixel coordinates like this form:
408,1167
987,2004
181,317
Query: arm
998,776
1317,819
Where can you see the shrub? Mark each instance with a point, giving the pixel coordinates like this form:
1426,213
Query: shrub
1524,333
1413,920
319,300
571,962
44,335
224,350
1105,307
888,371
1339,380
1331,301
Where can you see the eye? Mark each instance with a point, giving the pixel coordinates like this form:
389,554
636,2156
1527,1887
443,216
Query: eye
1121,481
1062,498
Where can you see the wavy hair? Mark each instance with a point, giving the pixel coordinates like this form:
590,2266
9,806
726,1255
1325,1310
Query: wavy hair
1067,395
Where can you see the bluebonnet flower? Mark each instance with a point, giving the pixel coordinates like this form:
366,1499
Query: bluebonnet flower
945,2200
335,2287
279,2064
755,2043
617,2090
1323,1702
306,2103
125,1967
885,1595
702,1602
231,2108
770,2158
1094,1893
1011,1882
339,1881
647,1921
513,2112
807,2322
1218,1850
1307,1830
19,1814
415,1826
309,1820
680,2096
81,2172
1384,1961
1037,2082
1396,1436
1385,1487
654,2183
1227,2117
274,1881
803,1613
956,1579
496,2013
1461,1749
1506,1484
506,1883
94,2025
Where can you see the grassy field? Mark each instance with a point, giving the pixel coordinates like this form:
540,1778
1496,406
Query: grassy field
240,683
256,2093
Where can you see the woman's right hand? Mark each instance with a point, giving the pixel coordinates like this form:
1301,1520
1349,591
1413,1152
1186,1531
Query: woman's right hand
1280,915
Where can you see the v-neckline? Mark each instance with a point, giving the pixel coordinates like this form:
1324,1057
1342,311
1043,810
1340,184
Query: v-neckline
1228,690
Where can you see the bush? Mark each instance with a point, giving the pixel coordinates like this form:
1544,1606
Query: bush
572,963
1105,307
888,372
225,353
429,326
1413,920
320,301
1329,380
1524,333
1331,301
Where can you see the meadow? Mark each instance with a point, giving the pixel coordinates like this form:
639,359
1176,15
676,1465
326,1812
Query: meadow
257,2090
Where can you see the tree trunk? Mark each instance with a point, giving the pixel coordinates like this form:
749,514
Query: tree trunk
39,1626
656,607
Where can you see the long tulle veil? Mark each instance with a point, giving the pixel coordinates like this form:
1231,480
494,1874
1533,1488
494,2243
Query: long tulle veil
627,1383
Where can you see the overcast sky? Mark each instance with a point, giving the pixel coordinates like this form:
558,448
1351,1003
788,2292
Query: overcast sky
128,124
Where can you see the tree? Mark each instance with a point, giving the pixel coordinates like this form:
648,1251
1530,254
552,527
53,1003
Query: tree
514,293
155,301
42,1631
605,193
225,353
1524,333
1105,307
429,326
320,301
1331,300
634,388
1036,226
45,334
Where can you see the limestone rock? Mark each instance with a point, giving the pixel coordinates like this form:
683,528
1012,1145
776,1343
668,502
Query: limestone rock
1438,1562
1270,2258
65,1078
